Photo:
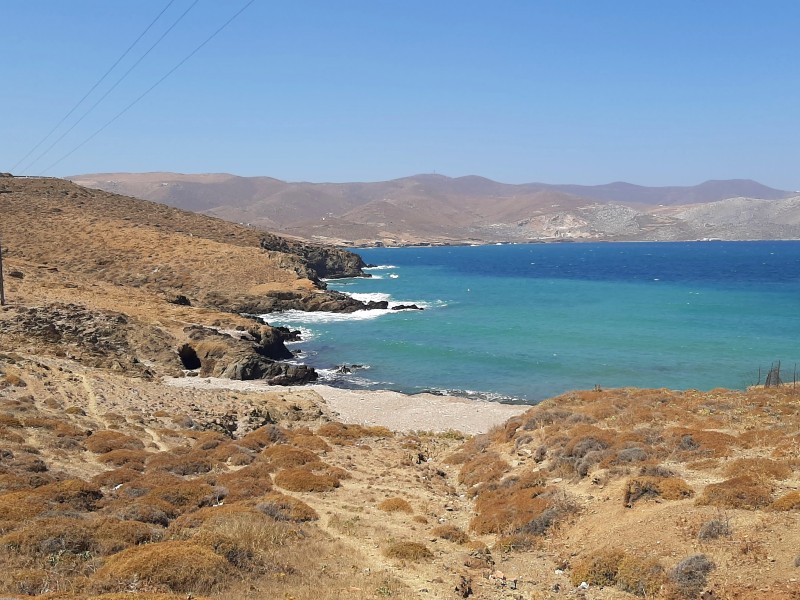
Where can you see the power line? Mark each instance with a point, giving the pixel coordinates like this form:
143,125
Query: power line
151,88
94,87
113,87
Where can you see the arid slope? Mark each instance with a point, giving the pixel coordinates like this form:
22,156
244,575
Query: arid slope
115,485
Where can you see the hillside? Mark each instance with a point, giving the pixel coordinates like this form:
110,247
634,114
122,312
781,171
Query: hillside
437,209
132,467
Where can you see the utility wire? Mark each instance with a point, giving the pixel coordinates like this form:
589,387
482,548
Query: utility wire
151,88
94,87
113,87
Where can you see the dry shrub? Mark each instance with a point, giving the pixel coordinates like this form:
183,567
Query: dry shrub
285,508
395,505
305,480
148,510
714,529
737,492
587,438
688,578
74,493
21,506
451,533
518,542
282,457
208,440
186,494
113,535
46,537
246,540
181,461
508,509
248,482
263,437
9,420
133,459
305,438
483,468
702,441
182,567
115,477
413,551
789,501
30,582
340,433
107,440
758,467
640,576
600,568
233,454
667,488
181,527
10,436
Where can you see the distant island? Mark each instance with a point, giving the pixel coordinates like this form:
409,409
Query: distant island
439,210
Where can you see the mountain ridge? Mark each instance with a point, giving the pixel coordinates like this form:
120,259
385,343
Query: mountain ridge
437,209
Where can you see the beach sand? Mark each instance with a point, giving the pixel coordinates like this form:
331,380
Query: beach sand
398,412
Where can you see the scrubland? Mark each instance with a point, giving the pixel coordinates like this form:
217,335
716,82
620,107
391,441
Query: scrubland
114,485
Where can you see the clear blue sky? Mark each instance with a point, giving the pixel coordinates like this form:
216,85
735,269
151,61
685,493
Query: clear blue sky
556,91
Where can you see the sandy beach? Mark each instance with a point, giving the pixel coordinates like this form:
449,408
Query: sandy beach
398,412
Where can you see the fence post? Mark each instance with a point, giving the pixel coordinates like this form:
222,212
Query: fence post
2,290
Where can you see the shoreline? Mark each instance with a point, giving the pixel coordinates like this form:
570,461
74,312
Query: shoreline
393,410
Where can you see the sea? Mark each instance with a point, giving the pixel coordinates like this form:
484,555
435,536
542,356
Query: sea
524,322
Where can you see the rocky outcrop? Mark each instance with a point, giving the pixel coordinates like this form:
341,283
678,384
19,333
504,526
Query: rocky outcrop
321,262
100,339
108,340
278,301
252,354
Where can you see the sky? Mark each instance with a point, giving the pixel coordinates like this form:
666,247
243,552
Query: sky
555,91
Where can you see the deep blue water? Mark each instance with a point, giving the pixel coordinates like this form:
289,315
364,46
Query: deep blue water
527,322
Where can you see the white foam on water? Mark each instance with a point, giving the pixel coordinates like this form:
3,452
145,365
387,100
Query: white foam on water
291,318
370,297
379,268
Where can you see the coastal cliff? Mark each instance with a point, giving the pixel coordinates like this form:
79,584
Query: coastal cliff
321,262
65,240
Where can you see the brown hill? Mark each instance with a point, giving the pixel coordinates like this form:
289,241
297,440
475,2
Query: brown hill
439,209
124,476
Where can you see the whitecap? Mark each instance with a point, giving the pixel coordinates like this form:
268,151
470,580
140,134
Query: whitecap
291,318
371,297
379,268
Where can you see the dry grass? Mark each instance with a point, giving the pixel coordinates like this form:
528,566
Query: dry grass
667,488
305,480
107,440
395,505
183,567
789,501
282,456
599,569
758,467
738,492
341,433
451,533
412,551
285,508
482,469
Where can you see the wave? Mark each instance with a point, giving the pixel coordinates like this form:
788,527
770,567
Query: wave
379,268
371,297
291,318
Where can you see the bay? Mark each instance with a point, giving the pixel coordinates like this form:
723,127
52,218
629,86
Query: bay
525,322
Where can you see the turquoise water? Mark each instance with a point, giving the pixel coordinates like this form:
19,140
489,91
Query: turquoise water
526,322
